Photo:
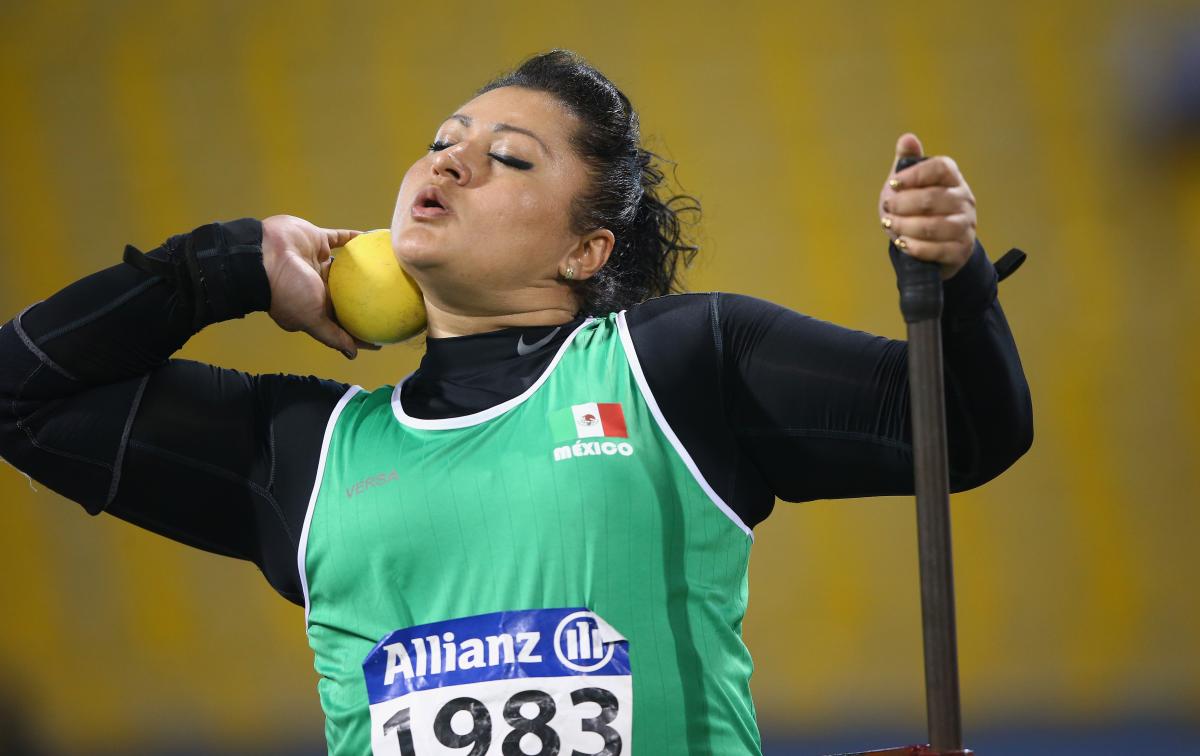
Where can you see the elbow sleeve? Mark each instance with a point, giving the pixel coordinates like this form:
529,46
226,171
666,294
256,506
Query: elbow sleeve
68,440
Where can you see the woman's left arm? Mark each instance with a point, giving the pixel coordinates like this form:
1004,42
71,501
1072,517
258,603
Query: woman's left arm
844,429
822,411
772,403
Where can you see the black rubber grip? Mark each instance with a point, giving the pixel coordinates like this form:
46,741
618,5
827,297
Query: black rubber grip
919,282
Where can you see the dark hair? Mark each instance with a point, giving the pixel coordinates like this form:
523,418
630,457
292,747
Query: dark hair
623,195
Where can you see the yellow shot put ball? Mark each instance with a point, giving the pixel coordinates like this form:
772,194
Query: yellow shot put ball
373,297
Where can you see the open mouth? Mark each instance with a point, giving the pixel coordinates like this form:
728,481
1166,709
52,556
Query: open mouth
430,198
430,203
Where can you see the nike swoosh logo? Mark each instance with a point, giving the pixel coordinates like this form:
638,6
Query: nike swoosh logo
524,349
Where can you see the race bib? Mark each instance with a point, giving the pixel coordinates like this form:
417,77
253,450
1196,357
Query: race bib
539,681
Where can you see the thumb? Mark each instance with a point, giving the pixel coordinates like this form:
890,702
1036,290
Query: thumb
337,237
332,335
908,145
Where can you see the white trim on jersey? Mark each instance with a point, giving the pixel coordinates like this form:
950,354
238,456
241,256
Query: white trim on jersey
302,548
648,396
466,421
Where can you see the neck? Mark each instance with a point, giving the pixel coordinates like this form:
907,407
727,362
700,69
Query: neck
446,322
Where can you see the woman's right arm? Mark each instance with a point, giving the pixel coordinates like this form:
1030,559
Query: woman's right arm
92,406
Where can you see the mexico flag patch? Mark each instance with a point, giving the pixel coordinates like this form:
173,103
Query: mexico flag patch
591,420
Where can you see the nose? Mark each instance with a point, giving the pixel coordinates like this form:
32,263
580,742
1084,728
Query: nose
448,163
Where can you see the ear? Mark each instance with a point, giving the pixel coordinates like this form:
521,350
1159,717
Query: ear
589,255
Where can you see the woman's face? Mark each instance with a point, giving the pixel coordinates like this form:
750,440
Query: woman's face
507,173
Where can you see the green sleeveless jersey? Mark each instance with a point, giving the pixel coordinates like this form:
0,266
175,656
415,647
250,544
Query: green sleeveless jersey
550,575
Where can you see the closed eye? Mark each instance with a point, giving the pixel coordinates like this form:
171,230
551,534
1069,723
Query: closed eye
521,165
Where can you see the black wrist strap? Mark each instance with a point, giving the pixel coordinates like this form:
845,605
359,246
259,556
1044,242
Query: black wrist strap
1008,263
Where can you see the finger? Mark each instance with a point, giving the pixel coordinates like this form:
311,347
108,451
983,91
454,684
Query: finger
936,171
927,200
337,237
368,345
324,252
908,146
944,252
929,228
332,335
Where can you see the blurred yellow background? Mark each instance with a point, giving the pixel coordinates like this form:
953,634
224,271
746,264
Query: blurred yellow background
1077,574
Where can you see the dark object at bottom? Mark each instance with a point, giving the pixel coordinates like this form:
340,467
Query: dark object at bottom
913,750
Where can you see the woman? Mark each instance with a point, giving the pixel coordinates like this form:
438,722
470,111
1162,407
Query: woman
536,543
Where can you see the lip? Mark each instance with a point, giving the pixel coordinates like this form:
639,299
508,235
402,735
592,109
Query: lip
430,192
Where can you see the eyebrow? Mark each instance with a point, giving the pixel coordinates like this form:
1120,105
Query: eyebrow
466,120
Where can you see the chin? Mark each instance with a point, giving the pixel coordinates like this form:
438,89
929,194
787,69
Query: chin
416,248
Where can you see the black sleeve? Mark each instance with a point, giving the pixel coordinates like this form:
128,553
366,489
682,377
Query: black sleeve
92,406
810,410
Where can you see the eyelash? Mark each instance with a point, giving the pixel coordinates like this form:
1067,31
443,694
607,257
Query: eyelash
511,162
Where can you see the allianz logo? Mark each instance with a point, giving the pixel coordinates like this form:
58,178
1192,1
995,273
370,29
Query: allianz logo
371,481
577,643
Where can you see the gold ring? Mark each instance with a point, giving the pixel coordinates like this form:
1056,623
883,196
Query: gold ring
886,222
901,244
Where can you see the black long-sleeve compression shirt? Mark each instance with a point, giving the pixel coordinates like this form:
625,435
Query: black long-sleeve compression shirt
93,405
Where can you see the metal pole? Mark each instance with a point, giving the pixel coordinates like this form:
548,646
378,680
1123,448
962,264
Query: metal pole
920,285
